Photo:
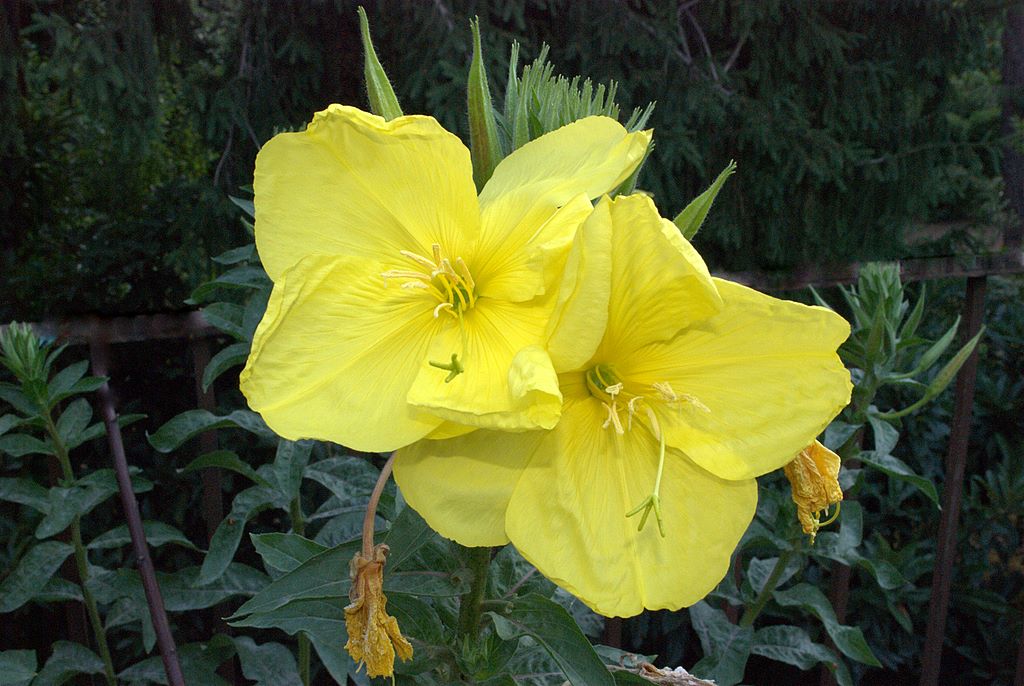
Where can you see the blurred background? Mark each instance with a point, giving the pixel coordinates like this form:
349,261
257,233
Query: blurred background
863,130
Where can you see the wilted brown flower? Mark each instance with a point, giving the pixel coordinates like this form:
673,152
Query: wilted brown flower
373,634
814,477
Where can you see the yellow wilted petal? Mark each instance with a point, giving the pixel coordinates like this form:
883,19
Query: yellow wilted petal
373,634
814,477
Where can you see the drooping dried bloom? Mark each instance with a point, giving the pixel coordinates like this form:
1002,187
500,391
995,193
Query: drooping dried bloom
814,477
373,634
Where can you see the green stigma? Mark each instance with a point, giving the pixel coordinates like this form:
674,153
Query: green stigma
454,368
600,377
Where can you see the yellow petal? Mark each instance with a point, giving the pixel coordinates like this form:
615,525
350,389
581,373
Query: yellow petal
461,486
335,355
765,369
508,381
354,184
580,315
567,515
590,156
532,256
814,477
659,283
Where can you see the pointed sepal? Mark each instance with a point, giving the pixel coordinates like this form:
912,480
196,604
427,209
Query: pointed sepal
383,101
690,219
483,129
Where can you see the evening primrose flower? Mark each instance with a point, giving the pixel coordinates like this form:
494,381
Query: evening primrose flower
814,477
401,299
678,389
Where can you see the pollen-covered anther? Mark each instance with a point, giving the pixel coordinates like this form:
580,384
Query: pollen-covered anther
450,283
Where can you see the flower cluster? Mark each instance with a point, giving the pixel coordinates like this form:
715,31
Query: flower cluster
555,365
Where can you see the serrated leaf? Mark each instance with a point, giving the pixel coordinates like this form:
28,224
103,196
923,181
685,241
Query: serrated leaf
849,640
692,217
67,661
157,534
726,645
34,569
548,623
231,356
189,424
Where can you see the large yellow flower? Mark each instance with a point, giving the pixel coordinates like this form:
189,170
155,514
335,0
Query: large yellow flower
678,390
402,300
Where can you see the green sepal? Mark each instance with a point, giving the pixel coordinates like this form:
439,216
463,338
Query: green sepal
690,219
484,143
383,101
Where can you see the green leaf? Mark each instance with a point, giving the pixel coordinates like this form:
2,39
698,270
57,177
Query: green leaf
285,551
270,664
322,576
24,492
485,146
19,445
245,252
896,468
932,354
199,664
17,666
8,422
791,645
194,422
33,571
58,590
226,317
383,101
157,534
726,645
15,398
68,660
849,640
409,532
73,421
550,625
79,499
759,570
64,380
238,278
289,464
690,219
226,538
225,459
184,591
231,356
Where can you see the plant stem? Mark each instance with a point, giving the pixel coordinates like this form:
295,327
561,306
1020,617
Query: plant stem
304,658
299,527
371,507
81,558
470,605
769,587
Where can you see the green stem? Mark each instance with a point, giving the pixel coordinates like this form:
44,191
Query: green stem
81,558
769,587
299,527
304,658
470,605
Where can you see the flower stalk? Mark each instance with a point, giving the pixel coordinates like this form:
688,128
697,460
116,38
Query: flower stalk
770,583
470,607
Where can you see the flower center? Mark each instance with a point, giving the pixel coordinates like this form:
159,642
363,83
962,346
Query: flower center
605,385
449,282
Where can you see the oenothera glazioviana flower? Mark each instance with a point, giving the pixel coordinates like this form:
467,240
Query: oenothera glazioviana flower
814,477
678,389
401,299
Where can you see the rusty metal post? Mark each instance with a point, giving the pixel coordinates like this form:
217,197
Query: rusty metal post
956,460
100,353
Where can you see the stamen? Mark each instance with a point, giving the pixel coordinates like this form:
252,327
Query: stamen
443,306
613,418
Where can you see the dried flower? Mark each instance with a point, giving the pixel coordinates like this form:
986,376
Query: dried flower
814,476
373,634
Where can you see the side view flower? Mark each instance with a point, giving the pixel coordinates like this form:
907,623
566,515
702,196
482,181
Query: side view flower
401,299
678,389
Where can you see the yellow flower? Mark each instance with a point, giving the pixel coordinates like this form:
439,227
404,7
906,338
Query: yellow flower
814,476
678,389
401,299
373,634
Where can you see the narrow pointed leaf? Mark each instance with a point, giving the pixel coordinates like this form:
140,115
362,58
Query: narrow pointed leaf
383,101
690,219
